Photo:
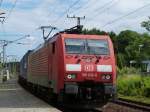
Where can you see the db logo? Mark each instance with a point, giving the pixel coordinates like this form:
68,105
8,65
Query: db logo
88,68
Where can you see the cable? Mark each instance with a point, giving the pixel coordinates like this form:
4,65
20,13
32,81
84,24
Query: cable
11,10
105,5
65,12
102,11
81,7
118,19
111,5
102,7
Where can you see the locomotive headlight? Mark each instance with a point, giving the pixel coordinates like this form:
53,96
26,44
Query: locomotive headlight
106,77
103,77
71,76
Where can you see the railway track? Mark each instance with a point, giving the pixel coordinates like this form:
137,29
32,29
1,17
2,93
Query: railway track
123,102
127,103
132,104
96,110
83,110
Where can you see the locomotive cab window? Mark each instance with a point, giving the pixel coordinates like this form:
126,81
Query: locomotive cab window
97,47
75,46
87,46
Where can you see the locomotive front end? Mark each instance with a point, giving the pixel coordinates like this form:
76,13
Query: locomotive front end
90,71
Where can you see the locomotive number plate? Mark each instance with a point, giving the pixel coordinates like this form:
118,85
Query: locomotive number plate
88,68
89,75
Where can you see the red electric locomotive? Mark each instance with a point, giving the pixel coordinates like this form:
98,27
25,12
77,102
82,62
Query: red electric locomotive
74,65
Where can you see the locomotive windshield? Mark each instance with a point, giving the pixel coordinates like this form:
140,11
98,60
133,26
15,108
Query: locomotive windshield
75,46
86,46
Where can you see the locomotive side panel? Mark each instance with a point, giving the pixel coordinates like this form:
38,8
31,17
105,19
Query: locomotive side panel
56,65
46,65
53,64
38,67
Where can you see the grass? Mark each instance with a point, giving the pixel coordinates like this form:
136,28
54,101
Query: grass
134,87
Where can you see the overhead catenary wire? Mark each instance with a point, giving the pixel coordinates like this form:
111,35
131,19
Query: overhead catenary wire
103,9
11,10
108,6
97,9
14,41
82,7
67,10
53,10
105,5
126,15
9,14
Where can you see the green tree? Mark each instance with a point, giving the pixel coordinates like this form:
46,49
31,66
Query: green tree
93,31
146,24
126,38
145,50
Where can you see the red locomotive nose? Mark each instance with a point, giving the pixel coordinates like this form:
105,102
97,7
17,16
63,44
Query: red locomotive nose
97,59
77,56
88,68
78,61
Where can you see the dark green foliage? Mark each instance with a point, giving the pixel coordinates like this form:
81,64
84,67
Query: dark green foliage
93,31
146,24
128,71
126,38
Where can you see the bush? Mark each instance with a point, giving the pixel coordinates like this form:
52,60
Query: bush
128,71
129,85
133,85
146,86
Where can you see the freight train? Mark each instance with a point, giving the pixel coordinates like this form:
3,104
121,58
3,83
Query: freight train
71,66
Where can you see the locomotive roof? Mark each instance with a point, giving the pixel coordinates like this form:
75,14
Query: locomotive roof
84,36
66,35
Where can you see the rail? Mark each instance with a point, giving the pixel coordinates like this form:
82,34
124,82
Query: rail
132,104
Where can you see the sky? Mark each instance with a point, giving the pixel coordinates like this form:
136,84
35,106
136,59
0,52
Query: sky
26,16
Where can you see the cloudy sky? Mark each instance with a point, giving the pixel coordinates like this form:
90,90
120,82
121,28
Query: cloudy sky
26,16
